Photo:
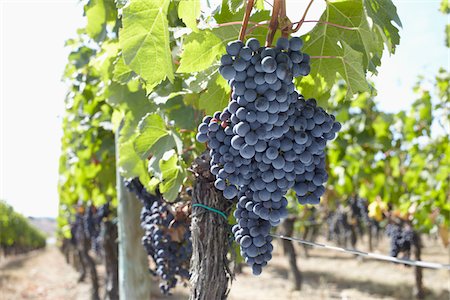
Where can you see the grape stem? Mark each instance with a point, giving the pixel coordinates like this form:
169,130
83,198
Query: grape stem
302,20
256,26
268,3
248,10
233,23
286,24
273,25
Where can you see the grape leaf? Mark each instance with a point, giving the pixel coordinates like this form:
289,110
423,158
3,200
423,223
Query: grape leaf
235,5
98,14
445,7
350,51
200,50
216,96
189,12
144,40
360,37
122,73
172,175
153,137
346,61
383,13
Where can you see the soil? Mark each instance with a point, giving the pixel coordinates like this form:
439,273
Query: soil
44,275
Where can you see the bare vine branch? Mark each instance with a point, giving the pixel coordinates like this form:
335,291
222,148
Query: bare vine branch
273,25
233,23
256,26
248,11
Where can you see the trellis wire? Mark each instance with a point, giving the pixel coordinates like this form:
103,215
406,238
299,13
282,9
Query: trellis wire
416,263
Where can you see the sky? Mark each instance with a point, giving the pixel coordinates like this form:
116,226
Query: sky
32,60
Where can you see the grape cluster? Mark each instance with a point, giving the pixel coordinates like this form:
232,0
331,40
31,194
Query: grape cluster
340,227
269,139
170,255
102,212
91,226
401,239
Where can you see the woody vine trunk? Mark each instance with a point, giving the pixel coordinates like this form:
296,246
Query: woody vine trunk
210,273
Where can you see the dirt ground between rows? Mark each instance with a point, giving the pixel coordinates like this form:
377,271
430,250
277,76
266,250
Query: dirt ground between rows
44,275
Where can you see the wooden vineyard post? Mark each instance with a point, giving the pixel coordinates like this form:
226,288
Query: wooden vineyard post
134,277
210,274
111,261
417,246
295,276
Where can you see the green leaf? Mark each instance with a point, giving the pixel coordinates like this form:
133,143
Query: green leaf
235,5
447,35
361,37
216,96
98,14
122,73
445,7
95,14
200,50
383,13
259,4
120,95
144,40
228,15
181,115
347,62
381,126
130,163
172,174
153,136
189,12
351,51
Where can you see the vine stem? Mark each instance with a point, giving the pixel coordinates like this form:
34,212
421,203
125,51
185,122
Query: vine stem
302,20
257,25
234,23
273,25
248,10
285,29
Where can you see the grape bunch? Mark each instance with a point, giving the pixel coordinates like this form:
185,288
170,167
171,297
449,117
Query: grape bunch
401,239
166,240
91,226
269,139
102,212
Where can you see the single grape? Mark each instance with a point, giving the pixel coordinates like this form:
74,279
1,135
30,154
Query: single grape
295,44
269,64
234,47
253,44
228,72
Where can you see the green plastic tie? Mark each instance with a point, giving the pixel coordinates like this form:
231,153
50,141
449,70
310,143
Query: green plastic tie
211,209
